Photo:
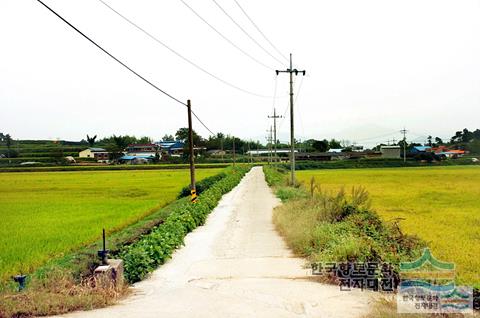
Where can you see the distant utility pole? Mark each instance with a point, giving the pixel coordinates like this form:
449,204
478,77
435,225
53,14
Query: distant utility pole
404,132
221,148
249,152
291,70
234,151
193,189
269,144
275,116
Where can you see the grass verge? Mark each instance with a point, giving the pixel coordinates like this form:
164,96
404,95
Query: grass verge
340,227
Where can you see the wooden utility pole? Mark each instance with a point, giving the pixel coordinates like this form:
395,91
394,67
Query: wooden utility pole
291,70
275,116
193,189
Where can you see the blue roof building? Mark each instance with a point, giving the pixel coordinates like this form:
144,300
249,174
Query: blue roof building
418,149
172,147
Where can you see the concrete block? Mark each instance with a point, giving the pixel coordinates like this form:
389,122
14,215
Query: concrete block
111,274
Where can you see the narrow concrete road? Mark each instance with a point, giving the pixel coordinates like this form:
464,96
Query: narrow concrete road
236,266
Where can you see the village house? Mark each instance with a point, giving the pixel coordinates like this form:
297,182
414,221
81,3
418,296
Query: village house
142,150
98,154
140,154
390,151
442,151
172,148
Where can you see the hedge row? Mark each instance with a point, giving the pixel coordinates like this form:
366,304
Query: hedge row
203,185
157,247
45,154
373,163
51,168
33,159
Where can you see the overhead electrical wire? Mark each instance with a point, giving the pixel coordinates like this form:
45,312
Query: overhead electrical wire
298,109
246,33
226,38
178,54
260,31
294,102
121,63
201,122
378,137
275,93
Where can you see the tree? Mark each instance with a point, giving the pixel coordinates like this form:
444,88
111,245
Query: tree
320,145
476,134
145,140
467,136
91,140
182,135
334,144
456,138
429,141
168,138
8,143
438,141
117,145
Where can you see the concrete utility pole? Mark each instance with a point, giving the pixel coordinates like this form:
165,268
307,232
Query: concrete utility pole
269,144
221,148
275,116
193,189
234,151
404,132
292,122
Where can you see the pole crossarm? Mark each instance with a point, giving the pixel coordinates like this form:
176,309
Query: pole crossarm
291,71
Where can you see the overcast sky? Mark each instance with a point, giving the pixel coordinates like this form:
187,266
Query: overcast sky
373,67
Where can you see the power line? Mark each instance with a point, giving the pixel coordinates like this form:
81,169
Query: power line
109,54
378,137
245,32
226,38
260,31
296,97
275,92
120,62
201,122
301,120
178,54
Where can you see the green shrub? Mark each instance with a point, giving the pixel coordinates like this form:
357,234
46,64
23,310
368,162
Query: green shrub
275,175
373,163
288,193
202,185
338,227
157,247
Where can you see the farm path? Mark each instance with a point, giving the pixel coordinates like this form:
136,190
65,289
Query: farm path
236,265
